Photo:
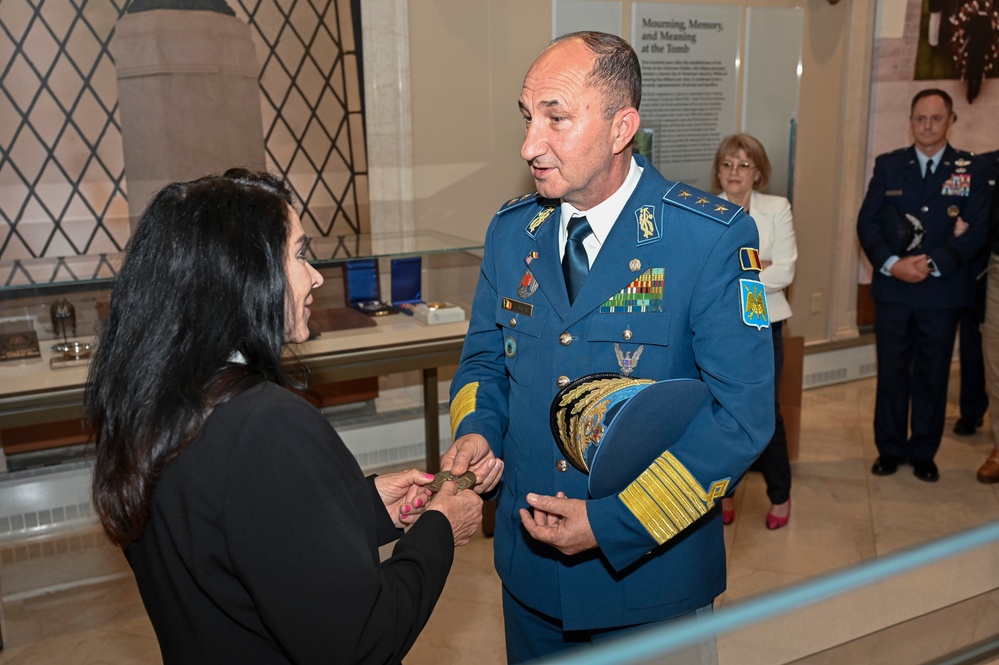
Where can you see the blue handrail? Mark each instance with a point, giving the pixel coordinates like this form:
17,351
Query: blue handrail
683,633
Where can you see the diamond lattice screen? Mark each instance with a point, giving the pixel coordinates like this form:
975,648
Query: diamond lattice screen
311,106
62,189
62,179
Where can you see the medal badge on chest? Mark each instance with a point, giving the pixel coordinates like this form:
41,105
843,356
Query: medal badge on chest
528,285
627,361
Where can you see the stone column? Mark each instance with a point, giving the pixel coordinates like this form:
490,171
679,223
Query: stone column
388,114
188,95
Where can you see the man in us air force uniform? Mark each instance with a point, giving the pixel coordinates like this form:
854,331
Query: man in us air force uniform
922,279
608,268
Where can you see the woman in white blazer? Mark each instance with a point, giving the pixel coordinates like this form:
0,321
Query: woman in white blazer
741,169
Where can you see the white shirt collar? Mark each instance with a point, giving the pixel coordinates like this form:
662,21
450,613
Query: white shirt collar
237,358
603,215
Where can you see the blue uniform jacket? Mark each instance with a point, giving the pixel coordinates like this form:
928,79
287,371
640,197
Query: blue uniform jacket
958,187
512,362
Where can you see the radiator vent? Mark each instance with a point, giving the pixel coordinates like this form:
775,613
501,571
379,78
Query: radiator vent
824,378
38,501
28,523
838,365
413,453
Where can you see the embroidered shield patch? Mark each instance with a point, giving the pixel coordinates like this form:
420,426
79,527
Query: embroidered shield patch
754,303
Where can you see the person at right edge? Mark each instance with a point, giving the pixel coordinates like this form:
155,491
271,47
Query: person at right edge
989,471
577,569
920,286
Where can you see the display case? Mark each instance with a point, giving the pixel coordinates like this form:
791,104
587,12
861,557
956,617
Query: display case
48,304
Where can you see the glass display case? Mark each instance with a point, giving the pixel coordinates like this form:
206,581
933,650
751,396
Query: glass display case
48,304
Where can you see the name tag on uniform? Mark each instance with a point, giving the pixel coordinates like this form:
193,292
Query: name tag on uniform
517,306
893,192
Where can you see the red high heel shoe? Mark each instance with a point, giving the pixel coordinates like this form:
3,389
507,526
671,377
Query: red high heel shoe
728,516
774,522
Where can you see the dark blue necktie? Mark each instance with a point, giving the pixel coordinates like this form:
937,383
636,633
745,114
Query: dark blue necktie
575,265
928,172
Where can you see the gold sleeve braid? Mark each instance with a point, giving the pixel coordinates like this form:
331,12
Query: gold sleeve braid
462,405
667,498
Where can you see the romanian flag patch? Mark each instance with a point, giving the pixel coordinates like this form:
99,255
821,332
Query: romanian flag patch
749,259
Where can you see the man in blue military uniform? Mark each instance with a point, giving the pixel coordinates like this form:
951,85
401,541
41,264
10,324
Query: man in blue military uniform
922,284
609,267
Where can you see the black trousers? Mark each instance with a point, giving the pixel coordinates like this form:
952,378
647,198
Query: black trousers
974,398
773,462
914,349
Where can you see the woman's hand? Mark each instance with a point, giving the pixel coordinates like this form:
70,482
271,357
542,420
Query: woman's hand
463,509
404,494
472,452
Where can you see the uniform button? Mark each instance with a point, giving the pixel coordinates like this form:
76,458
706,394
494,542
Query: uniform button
513,323
561,465
626,334
565,339
924,209
563,381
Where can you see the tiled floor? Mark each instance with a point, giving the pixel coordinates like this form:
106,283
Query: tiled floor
841,516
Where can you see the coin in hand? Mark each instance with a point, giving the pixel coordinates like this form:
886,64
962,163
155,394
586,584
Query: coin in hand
464,481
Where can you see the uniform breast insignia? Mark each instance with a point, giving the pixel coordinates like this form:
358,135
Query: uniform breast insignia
702,203
634,265
962,162
627,360
647,229
538,220
893,192
510,347
958,184
645,294
754,303
528,285
512,305
749,259
953,211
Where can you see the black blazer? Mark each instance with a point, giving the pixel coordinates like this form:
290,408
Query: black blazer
262,546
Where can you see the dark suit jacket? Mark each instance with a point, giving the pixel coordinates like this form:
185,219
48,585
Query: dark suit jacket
958,187
262,546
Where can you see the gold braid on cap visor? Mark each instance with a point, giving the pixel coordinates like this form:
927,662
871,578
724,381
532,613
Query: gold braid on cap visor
585,426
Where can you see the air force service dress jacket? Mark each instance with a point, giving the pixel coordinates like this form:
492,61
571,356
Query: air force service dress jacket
702,316
957,187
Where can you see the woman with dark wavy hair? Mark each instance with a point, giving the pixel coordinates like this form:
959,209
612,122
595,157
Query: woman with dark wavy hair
252,533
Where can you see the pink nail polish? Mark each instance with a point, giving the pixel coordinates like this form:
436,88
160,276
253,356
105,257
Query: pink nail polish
406,508
429,476
419,502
